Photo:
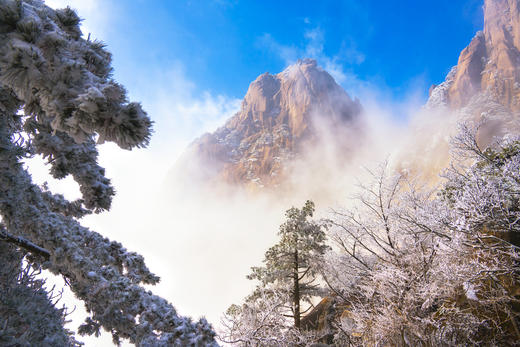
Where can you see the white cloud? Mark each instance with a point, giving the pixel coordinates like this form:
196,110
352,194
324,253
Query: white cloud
289,54
180,112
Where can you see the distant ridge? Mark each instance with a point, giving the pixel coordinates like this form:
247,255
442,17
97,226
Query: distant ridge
482,89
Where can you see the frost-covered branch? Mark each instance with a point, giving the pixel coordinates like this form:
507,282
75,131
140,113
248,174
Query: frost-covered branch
21,242
452,274
58,100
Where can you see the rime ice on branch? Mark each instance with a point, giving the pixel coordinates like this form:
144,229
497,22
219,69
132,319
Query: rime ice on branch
63,85
438,267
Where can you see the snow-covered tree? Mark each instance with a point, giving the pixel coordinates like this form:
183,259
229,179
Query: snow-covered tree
260,321
293,263
288,279
57,99
28,315
418,268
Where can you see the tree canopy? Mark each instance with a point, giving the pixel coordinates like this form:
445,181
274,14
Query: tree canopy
432,267
292,265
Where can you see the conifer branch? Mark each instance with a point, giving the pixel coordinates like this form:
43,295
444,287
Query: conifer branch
23,243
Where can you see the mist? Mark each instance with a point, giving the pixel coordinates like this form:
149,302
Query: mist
215,231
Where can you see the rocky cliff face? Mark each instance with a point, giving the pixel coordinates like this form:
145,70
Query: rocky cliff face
279,115
490,65
483,88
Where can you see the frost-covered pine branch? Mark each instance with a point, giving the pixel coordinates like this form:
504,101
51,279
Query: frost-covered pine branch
21,242
57,99
28,312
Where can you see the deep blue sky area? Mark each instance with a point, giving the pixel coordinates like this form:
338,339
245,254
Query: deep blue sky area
224,45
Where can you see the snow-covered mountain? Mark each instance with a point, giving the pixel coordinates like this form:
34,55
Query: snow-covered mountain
280,114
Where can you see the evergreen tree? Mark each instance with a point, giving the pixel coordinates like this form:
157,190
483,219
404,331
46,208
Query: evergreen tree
57,99
292,264
287,280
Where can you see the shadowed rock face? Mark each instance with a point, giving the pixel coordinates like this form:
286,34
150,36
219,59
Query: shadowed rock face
279,114
491,62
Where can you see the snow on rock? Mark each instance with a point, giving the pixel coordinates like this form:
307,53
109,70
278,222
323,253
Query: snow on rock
277,116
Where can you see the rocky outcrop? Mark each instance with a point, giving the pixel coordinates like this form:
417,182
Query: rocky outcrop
279,115
321,318
482,89
490,64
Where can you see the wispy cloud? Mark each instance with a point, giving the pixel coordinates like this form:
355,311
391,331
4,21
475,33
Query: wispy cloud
180,110
315,49
338,64
288,53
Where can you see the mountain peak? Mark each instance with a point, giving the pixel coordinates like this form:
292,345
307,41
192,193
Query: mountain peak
307,62
277,117
301,66
307,71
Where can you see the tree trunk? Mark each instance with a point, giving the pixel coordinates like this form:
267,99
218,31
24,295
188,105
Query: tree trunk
296,292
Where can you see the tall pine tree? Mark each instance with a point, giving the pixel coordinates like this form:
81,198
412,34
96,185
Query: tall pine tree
292,264
271,315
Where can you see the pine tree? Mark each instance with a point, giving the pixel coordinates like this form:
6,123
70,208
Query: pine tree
292,264
58,100
271,315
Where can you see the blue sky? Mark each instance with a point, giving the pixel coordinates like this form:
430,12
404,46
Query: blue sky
223,45
190,62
